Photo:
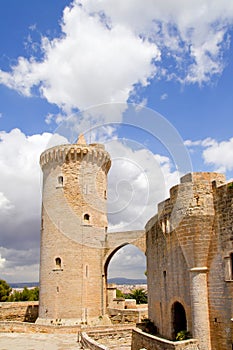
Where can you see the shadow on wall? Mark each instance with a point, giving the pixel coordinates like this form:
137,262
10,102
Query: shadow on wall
31,313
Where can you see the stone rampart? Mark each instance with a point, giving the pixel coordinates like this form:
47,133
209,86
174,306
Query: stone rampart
141,340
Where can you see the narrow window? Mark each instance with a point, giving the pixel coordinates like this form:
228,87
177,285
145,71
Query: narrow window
231,266
105,194
60,180
86,271
86,217
167,225
85,189
58,263
163,226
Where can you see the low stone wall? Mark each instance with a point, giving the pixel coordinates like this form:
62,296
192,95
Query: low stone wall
141,340
127,315
101,338
25,327
24,311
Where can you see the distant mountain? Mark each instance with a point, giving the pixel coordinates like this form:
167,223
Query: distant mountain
116,280
24,284
129,281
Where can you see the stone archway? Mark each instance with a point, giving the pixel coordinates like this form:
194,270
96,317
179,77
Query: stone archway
179,321
126,261
114,242
109,257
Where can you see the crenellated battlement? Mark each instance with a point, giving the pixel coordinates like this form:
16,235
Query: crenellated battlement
76,152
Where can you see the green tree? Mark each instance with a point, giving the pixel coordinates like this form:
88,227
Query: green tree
35,294
140,295
119,294
5,290
25,295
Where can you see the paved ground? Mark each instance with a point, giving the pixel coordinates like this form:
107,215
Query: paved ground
22,341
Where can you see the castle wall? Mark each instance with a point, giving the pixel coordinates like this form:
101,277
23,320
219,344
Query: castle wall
189,247
220,279
167,278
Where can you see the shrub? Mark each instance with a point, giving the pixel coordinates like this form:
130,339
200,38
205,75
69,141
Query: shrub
183,335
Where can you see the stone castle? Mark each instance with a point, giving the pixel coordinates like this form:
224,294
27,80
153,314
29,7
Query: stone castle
188,244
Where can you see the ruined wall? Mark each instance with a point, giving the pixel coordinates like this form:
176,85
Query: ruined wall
24,311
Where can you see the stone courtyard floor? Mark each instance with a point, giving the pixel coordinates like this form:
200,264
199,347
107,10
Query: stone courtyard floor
44,341
38,341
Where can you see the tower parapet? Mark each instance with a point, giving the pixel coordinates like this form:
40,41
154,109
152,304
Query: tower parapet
76,152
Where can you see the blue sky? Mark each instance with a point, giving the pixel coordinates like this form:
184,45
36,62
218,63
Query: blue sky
59,58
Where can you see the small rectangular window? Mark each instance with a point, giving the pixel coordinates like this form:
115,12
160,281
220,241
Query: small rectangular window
231,266
87,271
60,180
85,189
228,260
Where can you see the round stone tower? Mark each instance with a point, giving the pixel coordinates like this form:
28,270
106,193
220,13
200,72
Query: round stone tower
73,233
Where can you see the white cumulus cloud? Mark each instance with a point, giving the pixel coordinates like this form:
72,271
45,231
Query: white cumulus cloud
20,200
2,262
219,154
216,154
89,64
108,48
138,180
